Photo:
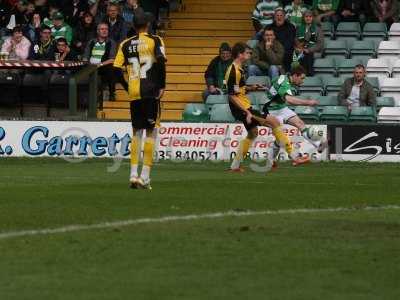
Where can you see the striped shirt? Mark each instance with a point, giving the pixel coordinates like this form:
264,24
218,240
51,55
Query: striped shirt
264,11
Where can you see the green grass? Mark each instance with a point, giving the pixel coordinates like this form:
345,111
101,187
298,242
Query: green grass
320,255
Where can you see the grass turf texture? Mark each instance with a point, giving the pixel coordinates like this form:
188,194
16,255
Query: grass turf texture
321,255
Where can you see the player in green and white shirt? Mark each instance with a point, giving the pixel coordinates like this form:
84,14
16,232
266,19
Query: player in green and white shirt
263,14
280,94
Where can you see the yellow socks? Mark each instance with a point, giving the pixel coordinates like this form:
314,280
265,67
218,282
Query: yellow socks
243,149
147,158
135,150
283,139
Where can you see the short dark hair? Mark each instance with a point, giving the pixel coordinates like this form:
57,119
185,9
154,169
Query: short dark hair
62,40
298,70
239,48
359,66
17,29
44,27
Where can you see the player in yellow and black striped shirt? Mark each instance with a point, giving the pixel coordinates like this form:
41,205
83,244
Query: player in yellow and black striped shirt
143,56
241,109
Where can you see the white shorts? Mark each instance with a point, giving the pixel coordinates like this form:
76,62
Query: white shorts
283,114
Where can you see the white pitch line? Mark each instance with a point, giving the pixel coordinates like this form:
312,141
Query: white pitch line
166,219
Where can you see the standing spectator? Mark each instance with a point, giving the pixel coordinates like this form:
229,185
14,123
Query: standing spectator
294,12
325,10
60,28
73,11
101,52
23,12
116,24
32,29
128,10
63,52
357,91
5,15
313,37
98,8
385,11
285,33
216,70
43,48
17,46
84,32
263,14
267,56
351,11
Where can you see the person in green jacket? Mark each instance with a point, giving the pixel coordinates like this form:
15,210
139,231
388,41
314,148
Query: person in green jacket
325,10
60,28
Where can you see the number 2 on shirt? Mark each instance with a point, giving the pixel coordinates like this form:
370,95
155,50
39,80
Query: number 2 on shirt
139,70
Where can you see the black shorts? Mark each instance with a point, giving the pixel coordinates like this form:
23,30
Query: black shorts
240,115
145,113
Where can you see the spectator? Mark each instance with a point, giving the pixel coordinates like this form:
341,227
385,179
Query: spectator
17,46
117,27
60,28
24,12
215,72
98,9
153,7
52,10
32,29
63,52
357,91
313,37
351,11
298,53
385,11
84,32
263,13
128,10
325,10
101,51
74,11
285,33
267,56
294,12
43,48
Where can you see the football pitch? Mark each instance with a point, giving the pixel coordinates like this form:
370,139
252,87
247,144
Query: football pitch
76,231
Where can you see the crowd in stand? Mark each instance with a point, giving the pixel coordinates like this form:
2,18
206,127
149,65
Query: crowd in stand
61,30
289,33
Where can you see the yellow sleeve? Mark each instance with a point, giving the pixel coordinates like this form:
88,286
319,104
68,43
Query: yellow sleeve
119,61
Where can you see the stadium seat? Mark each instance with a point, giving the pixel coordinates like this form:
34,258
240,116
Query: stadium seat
58,90
362,114
221,113
307,113
333,85
346,66
337,47
10,89
384,102
389,115
258,98
195,112
328,29
396,68
374,81
390,87
334,114
348,31
375,29
311,84
252,43
216,99
389,49
394,32
325,66
262,80
362,49
378,68
327,101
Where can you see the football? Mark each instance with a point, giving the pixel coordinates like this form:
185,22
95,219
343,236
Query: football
315,133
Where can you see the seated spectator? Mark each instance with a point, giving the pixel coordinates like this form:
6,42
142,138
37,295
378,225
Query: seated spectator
313,37
298,53
52,10
101,51
267,56
357,91
351,11
117,27
263,13
17,46
215,72
294,12
285,33
84,32
63,52
385,11
325,10
60,28
43,48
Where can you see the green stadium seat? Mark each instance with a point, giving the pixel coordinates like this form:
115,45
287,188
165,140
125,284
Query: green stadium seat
310,95
252,43
195,112
384,102
216,99
258,98
307,113
262,80
327,100
333,85
325,66
346,66
221,113
349,31
311,84
362,49
375,39
328,29
334,114
337,47
362,114
374,81
375,29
